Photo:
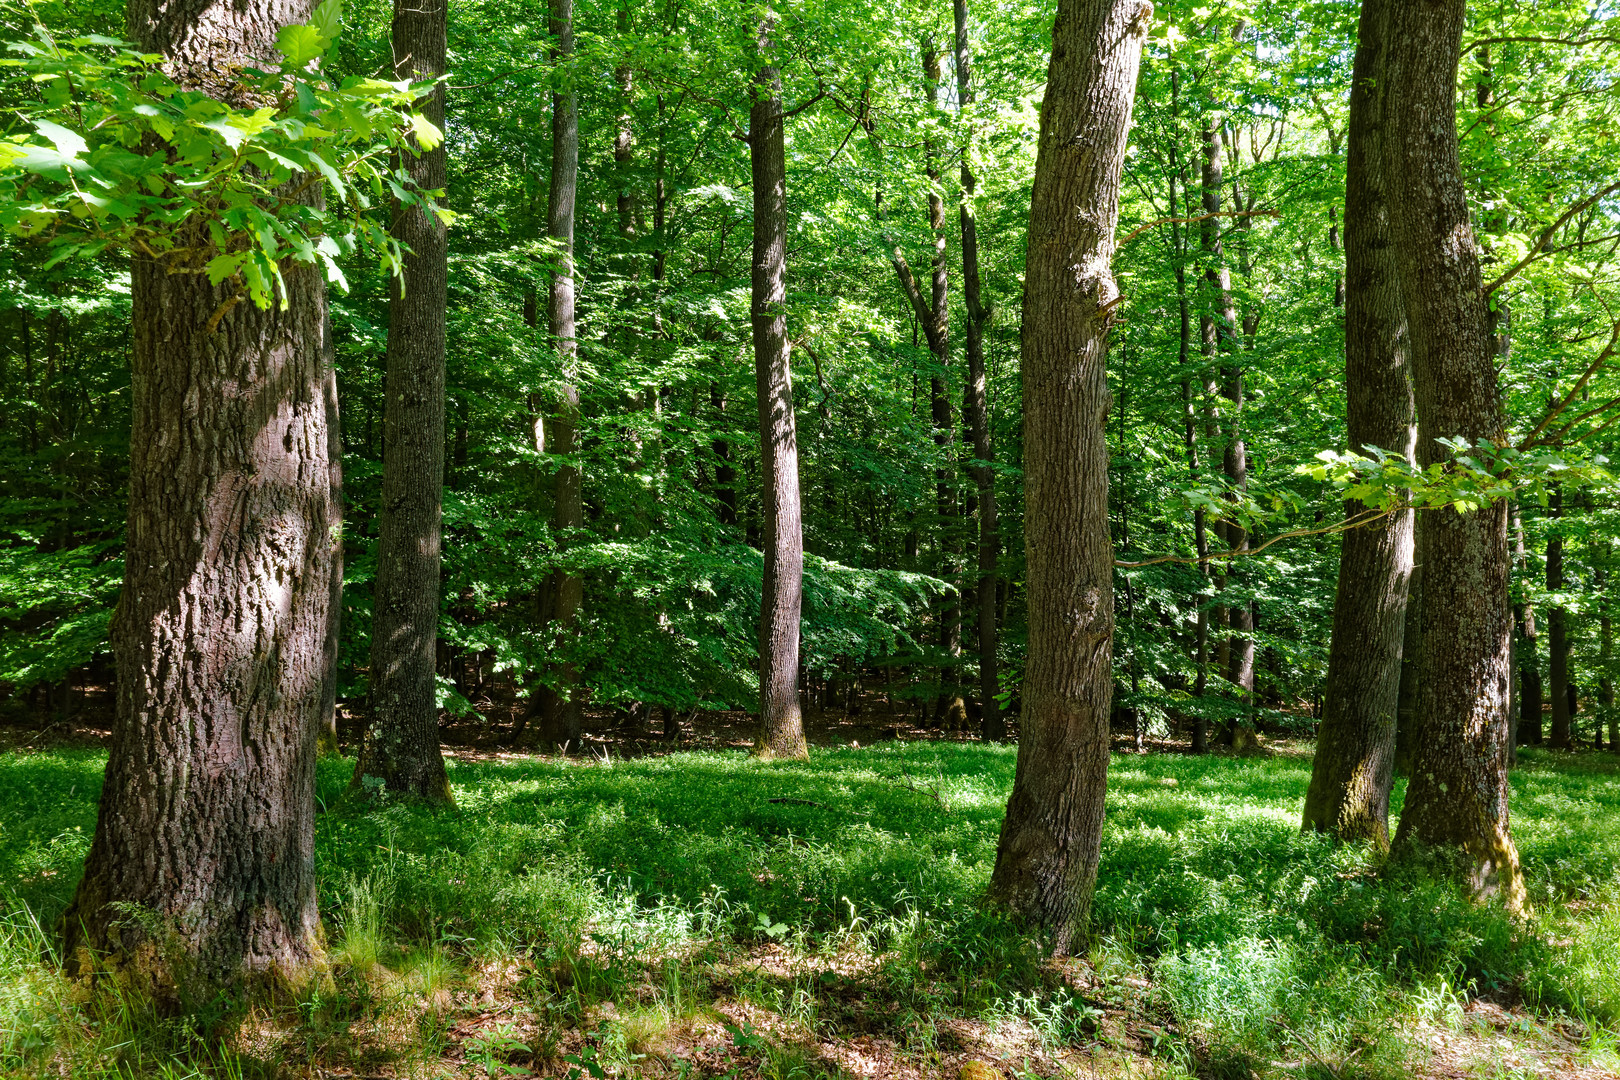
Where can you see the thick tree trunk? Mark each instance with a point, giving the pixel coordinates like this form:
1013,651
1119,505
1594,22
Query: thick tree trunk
561,717
1355,748
781,727
1458,797
1046,859
975,405
399,749
207,814
1558,686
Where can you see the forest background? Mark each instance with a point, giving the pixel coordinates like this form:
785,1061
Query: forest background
668,448
1243,107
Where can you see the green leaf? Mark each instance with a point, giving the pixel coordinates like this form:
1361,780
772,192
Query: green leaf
232,134
68,142
221,267
300,44
328,20
427,134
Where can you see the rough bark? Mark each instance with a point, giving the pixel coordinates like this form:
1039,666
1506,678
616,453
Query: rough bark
975,405
1457,802
561,717
399,750
1046,858
781,727
1558,685
1355,748
206,821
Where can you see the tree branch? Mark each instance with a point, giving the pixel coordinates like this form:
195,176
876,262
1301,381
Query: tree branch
1547,234
1580,384
1140,229
908,282
1366,518
1572,42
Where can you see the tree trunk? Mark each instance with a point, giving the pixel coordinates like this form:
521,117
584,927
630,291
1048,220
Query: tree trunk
1458,797
1180,241
1558,687
1046,859
975,405
933,315
561,719
725,474
1355,747
400,746
326,731
1225,378
781,727
1600,578
1217,326
207,813
1530,688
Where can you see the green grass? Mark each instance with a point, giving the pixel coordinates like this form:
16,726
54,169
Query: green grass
1224,941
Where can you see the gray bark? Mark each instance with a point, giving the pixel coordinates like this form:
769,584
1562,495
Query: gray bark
1354,765
1046,858
207,814
1457,801
781,726
400,746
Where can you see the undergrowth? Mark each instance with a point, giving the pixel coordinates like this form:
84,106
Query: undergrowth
703,914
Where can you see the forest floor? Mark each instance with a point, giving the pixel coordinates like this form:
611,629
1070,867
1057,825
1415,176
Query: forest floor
635,911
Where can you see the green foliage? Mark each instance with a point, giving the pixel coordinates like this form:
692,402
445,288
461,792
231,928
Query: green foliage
119,157
57,608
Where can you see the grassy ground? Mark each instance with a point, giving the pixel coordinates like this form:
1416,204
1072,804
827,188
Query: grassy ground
705,915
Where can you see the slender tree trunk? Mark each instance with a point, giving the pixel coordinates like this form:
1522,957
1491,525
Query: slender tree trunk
1558,686
1046,859
1217,325
1600,578
1225,378
624,137
781,727
975,403
933,315
400,746
1530,688
562,718
1458,797
1407,717
1355,748
1180,243
326,731
725,474
207,813
1337,247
